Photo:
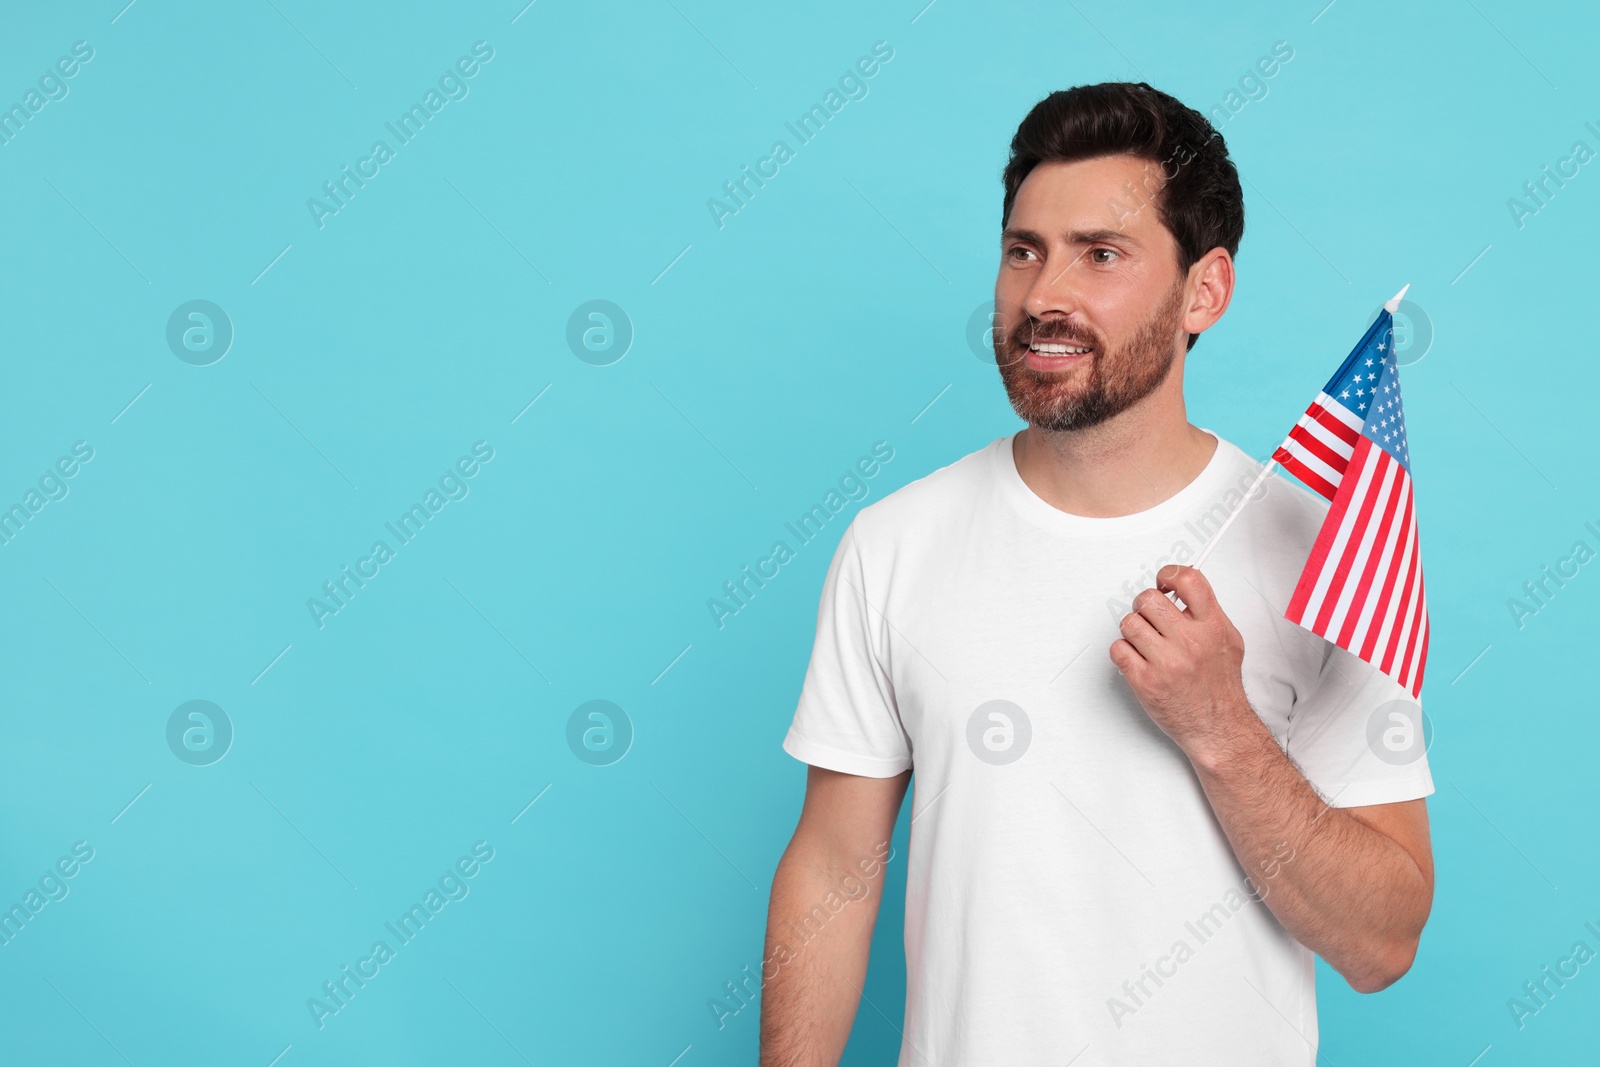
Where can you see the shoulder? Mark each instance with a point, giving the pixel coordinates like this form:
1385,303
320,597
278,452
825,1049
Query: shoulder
1281,511
925,506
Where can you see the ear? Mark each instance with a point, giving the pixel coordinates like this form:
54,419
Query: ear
1211,278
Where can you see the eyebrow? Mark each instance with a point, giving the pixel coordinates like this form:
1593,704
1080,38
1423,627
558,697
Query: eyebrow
1074,237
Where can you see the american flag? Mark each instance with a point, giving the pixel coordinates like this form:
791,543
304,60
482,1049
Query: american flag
1362,585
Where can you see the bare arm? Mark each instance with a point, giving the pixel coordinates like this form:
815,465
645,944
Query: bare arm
1354,885
819,922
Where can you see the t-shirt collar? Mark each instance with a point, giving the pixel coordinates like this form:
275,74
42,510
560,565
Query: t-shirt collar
1034,507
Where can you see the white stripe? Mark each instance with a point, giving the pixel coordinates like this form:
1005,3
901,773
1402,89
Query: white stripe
1314,462
1386,560
1408,622
1337,409
1419,613
1336,550
1344,606
1390,618
1339,445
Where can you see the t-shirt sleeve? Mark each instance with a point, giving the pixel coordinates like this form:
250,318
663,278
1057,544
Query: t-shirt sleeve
846,719
1358,736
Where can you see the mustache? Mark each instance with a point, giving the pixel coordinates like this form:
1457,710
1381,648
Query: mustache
1033,330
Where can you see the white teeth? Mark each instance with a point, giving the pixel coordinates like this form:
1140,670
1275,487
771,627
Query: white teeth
1048,349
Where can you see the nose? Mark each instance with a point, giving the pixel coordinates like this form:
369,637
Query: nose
1053,293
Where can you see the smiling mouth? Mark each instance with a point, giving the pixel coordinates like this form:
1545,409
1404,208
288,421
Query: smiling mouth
1047,356
1058,348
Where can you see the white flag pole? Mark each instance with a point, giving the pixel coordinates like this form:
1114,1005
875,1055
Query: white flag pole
1391,306
1234,514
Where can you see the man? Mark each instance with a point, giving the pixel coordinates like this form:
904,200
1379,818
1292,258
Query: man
1136,817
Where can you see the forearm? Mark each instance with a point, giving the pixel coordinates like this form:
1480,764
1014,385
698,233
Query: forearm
1347,892
819,935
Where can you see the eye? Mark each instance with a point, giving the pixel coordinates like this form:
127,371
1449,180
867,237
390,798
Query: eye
1094,251
1015,250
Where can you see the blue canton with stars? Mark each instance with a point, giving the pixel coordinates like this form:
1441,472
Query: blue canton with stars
1368,384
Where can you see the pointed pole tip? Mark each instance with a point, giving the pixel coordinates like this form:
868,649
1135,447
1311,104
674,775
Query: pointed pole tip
1393,303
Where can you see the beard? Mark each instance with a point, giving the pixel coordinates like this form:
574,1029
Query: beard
1112,382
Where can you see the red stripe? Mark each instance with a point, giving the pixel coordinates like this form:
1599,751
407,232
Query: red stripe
1375,556
1388,665
1388,594
1410,644
1422,666
1314,481
1371,457
1342,430
1319,448
1317,561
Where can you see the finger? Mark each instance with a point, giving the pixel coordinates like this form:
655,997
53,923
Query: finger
1192,586
1138,632
1125,657
1158,611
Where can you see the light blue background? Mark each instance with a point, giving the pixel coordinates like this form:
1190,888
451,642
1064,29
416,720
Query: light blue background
825,316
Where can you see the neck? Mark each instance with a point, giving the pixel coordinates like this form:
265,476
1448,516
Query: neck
1125,465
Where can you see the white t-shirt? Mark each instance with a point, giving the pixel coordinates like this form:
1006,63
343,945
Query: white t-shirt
1070,891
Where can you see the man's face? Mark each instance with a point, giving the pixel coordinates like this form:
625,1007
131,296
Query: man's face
1085,262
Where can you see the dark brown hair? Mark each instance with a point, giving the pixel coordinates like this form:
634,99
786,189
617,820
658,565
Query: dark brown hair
1200,202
